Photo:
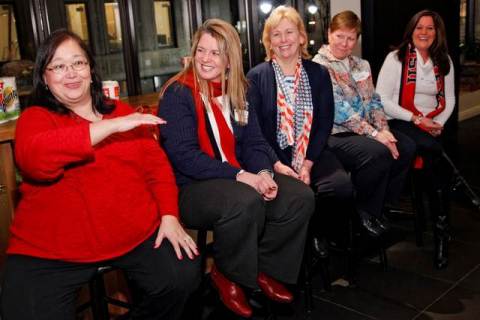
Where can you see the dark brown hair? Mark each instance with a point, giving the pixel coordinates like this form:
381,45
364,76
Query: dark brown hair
438,51
41,96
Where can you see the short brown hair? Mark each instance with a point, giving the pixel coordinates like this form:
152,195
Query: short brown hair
346,20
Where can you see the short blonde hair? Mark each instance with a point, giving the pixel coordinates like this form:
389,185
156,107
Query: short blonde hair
279,13
346,20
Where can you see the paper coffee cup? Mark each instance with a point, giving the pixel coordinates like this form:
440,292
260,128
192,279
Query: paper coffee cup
111,89
9,102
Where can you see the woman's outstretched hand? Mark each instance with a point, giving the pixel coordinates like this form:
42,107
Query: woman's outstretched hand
134,120
101,129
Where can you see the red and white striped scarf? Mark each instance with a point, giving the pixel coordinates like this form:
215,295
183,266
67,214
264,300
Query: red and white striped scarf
294,113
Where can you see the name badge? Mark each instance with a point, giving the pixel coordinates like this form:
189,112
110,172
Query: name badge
236,115
361,76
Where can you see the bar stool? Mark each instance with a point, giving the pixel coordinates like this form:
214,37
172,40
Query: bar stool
417,200
99,300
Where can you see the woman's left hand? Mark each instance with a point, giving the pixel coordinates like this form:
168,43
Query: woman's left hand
436,132
171,229
271,187
305,170
389,141
284,169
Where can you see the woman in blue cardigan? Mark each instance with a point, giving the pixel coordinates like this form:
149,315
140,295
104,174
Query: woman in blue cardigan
294,102
223,168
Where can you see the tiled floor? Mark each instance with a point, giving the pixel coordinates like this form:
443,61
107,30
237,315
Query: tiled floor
411,288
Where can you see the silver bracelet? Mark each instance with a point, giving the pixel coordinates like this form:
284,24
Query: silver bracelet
239,173
270,172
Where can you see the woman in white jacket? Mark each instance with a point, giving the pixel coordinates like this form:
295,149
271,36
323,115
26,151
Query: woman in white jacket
416,85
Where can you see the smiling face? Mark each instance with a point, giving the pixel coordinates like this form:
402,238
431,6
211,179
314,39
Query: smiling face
285,40
208,60
341,42
424,34
70,87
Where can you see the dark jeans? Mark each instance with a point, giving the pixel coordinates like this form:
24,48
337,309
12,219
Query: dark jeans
250,234
376,176
36,288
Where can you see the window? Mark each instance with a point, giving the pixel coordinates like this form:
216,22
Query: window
114,30
162,30
9,49
77,20
163,23
105,44
233,12
469,45
317,19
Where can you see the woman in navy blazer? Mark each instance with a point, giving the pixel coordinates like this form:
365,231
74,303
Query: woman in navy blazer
286,84
223,167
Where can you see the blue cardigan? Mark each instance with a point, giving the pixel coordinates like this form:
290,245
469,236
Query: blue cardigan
180,140
262,96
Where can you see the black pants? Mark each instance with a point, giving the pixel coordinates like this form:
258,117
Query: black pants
334,195
250,234
376,176
437,171
35,288
329,178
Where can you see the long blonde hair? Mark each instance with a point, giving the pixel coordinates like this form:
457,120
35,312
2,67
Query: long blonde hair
230,50
273,21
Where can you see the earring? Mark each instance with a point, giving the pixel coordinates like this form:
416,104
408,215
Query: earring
46,87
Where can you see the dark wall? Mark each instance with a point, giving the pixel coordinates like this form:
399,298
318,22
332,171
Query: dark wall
383,24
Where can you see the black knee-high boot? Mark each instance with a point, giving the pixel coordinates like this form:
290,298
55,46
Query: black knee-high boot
439,204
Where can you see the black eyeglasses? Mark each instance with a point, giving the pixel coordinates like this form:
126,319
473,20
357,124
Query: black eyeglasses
62,68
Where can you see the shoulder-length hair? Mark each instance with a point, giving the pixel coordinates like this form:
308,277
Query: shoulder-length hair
41,95
279,13
230,50
438,51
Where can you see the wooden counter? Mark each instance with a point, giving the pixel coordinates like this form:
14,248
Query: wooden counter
146,100
7,183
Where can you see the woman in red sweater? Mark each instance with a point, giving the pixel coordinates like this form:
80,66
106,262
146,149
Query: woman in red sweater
97,190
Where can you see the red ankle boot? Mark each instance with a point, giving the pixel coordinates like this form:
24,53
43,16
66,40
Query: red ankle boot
231,294
273,289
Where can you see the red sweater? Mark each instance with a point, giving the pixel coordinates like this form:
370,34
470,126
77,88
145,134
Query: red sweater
82,203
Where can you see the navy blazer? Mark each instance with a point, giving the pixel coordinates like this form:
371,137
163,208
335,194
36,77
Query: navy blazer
179,138
262,96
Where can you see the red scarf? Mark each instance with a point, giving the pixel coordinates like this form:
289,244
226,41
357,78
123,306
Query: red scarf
227,140
408,84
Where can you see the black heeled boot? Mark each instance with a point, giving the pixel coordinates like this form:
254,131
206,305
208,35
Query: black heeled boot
441,228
